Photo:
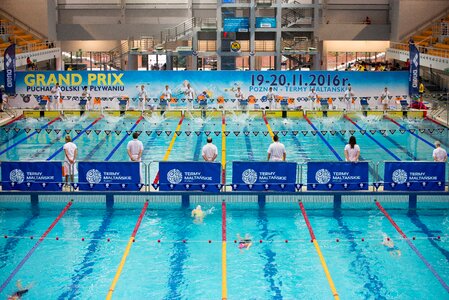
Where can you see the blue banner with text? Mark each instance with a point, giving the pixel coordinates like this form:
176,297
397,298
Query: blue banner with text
414,176
32,176
189,176
264,176
109,176
325,176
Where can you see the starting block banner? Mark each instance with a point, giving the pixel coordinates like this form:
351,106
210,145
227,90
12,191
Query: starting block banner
337,176
109,176
414,176
264,176
189,176
32,176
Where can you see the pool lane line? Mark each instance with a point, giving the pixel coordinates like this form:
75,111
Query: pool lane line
249,147
28,255
373,139
123,139
86,265
28,136
323,139
398,229
170,147
224,281
13,120
76,137
318,250
127,249
198,150
223,148
268,126
412,133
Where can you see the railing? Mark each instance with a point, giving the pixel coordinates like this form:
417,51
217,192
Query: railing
179,31
25,26
371,175
423,50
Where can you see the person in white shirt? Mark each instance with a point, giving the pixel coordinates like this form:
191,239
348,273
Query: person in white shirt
239,96
142,97
276,151
85,96
3,98
384,98
209,151
70,154
313,96
190,95
135,150
271,98
352,150
348,97
57,94
166,95
439,154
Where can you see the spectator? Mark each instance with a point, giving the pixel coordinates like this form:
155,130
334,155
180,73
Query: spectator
407,64
367,21
421,89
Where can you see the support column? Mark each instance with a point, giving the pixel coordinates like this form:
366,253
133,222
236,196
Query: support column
195,50
219,31
252,35
278,49
132,62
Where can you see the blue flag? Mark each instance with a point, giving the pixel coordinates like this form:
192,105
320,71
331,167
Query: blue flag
10,69
413,81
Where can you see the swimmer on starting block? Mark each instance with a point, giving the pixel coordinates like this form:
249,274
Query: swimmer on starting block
388,242
244,243
198,214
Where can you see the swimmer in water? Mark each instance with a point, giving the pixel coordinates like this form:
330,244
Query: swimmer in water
198,214
20,291
244,243
388,242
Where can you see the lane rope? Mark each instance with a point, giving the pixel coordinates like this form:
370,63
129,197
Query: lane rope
320,254
424,260
127,249
224,282
323,139
28,255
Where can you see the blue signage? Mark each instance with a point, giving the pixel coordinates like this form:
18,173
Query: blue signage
228,1
264,176
265,22
324,176
190,176
414,176
235,24
32,176
10,69
109,176
414,70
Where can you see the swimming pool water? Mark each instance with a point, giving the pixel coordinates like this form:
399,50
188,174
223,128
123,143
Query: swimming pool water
247,140
273,269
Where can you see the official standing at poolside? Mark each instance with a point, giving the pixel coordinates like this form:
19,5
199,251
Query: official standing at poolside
439,154
190,96
352,150
70,154
271,97
143,95
57,94
276,151
135,150
348,97
384,98
166,95
239,96
209,151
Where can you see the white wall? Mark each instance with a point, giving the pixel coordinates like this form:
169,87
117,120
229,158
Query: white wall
31,12
68,46
355,46
408,15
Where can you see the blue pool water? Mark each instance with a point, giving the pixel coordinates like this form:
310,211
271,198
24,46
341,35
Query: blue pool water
71,268
248,139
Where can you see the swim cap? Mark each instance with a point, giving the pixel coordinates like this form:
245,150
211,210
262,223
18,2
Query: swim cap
198,207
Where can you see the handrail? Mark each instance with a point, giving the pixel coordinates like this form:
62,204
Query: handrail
22,24
178,30
423,50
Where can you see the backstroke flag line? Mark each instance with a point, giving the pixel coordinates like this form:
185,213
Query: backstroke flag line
10,69
413,80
